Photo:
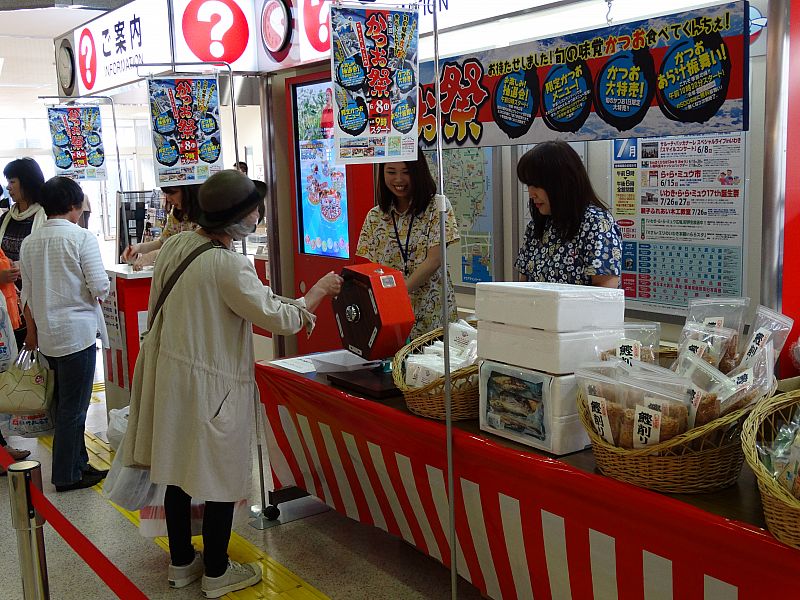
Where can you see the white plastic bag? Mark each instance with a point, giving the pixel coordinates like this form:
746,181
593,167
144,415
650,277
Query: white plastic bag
8,343
129,487
117,426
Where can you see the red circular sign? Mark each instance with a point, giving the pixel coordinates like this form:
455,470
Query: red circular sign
215,30
317,28
87,59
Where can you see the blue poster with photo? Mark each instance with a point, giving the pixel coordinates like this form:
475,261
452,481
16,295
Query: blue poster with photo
322,185
77,137
374,70
185,124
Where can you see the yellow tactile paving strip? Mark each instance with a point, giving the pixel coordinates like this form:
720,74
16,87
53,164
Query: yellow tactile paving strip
278,583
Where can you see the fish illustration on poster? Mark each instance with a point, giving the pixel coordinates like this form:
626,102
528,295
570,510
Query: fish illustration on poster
374,70
185,124
683,73
77,139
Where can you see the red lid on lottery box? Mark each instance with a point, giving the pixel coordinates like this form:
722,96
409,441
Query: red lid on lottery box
373,311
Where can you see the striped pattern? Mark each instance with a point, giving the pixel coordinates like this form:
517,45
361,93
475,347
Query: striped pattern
524,529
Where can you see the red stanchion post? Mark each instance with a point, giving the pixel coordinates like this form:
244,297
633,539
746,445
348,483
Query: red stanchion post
28,524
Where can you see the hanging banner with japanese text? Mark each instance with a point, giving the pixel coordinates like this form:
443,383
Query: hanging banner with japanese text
184,118
77,136
680,203
672,75
373,115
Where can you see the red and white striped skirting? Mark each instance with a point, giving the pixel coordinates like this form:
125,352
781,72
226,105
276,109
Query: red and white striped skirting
526,526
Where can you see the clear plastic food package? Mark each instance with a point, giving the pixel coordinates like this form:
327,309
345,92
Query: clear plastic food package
713,344
601,395
767,326
652,413
710,387
752,380
640,342
719,312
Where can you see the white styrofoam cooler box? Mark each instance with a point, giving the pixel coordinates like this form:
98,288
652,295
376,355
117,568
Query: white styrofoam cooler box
549,351
549,306
532,408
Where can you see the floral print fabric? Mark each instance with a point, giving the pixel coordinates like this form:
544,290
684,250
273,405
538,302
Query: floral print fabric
173,226
378,243
595,250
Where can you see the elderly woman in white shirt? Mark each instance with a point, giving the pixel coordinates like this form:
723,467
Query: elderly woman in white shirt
63,281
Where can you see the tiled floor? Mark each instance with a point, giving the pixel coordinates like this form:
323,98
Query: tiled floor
325,555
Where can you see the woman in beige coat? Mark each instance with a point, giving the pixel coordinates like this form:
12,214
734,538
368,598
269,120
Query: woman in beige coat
191,417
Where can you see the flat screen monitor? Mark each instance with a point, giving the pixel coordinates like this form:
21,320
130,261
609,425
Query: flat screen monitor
321,184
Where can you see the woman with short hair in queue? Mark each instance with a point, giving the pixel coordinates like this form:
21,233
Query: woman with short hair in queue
191,414
181,217
25,179
402,232
64,282
572,237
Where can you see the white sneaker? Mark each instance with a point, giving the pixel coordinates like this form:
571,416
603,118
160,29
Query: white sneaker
179,577
236,577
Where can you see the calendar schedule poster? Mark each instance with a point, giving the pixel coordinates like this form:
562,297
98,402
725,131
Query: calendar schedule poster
680,203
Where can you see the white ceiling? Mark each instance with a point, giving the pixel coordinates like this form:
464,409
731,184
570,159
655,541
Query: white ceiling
43,22
26,46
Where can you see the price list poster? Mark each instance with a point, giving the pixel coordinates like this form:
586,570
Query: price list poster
680,203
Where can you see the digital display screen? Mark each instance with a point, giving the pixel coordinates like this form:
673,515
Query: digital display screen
321,184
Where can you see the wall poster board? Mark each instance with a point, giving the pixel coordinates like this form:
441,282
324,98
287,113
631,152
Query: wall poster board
680,203
470,186
185,123
77,136
374,68
678,74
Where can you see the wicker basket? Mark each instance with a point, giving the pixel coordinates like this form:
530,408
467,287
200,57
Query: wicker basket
428,401
781,509
704,459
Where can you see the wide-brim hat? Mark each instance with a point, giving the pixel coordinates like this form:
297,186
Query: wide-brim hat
226,198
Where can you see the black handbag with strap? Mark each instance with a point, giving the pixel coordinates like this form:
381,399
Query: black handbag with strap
176,275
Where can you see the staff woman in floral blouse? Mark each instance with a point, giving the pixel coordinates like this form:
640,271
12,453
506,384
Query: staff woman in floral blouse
572,237
403,232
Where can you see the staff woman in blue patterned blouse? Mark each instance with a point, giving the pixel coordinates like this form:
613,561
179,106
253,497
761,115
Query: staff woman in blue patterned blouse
572,237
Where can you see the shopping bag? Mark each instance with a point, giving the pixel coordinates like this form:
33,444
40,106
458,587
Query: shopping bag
27,386
117,426
8,343
31,425
129,487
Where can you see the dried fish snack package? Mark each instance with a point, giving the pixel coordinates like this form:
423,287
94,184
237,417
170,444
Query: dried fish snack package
612,367
752,380
601,395
768,325
711,386
719,312
652,413
640,342
710,343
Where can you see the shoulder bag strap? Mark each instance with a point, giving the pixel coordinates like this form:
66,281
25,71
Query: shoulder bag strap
176,275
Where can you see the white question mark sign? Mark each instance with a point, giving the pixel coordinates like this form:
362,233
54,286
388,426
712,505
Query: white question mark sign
216,8
86,52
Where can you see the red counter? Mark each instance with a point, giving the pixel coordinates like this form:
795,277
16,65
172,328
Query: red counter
125,312
526,525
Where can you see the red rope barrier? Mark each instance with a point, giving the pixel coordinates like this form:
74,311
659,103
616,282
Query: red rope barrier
97,561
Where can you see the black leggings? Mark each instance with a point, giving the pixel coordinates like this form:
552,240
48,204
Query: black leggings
217,523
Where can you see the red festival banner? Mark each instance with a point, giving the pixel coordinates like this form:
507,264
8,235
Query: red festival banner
680,74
